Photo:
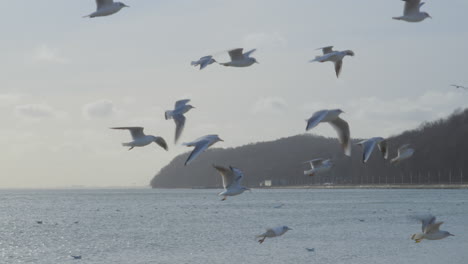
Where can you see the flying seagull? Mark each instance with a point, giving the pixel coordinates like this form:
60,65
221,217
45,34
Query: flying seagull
203,62
106,8
232,178
430,230
369,145
341,126
76,257
318,166
200,144
273,232
459,87
404,152
240,59
181,107
140,139
334,56
412,13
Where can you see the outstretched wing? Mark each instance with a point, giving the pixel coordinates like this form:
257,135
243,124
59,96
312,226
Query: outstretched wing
102,3
316,118
181,103
342,128
227,175
180,124
161,142
383,147
368,146
412,7
338,66
199,148
426,221
248,53
137,132
326,50
238,175
236,54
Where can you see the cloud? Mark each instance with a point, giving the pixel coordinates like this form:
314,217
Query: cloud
38,111
269,105
99,109
9,99
264,40
49,55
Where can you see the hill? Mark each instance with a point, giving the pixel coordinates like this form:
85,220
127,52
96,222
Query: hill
440,157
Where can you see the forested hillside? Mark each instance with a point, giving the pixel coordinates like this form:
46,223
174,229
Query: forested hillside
440,157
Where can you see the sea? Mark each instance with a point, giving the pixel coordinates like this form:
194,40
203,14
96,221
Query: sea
177,226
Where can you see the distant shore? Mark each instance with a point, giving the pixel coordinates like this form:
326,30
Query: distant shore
379,186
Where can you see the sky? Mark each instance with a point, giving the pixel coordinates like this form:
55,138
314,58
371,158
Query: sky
66,79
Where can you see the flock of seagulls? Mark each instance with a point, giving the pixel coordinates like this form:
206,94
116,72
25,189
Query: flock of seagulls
232,177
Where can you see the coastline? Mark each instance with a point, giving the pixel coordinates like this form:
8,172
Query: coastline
379,186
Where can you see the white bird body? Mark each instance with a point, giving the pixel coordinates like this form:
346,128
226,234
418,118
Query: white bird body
140,139
273,232
318,166
341,126
369,145
430,230
106,8
203,62
404,152
411,13
232,178
181,107
240,59
333,56
200,144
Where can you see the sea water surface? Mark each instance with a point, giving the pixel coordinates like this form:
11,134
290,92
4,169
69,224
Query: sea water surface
194,226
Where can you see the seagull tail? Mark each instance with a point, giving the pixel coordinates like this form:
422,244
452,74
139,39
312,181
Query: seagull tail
396,18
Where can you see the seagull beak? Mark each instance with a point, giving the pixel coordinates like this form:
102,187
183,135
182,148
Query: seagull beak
221,140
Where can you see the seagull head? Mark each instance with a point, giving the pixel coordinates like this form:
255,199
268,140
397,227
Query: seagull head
285,228
190,106
349,52
340,111
122,5
254,60
427,15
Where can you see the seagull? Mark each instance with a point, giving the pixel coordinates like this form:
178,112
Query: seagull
232,178
318,166
273,232
412,13
310,249
203,62
459,87
278,206
341,126
200,144
369,145
181,107
430,230
106,7
334,56
76,257
140,139
404,152
239,59
39,222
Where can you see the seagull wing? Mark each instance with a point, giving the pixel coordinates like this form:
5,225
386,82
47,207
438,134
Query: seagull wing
238,175
383,146
236,54
248,53
326,50
411,7
342,128
181,103
433,228
199,148
425,221
338,66
368,146
227,174
180,123
102,3
137,132
316,118
161,142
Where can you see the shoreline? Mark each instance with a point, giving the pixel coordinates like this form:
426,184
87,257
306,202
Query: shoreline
381,186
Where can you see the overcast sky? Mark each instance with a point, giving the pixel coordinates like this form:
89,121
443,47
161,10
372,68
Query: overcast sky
66,79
